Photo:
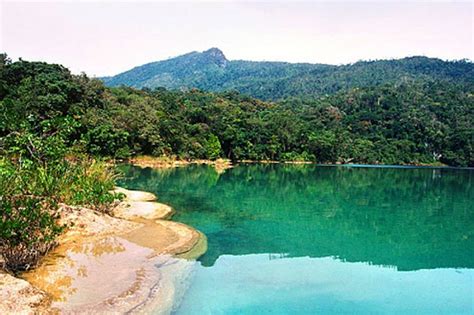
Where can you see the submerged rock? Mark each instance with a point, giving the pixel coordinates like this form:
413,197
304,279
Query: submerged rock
168,237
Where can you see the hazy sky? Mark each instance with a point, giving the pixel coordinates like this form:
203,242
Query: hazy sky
105,37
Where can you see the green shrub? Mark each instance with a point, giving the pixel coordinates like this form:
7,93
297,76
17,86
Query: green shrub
213,147
293,156
28,228
30,193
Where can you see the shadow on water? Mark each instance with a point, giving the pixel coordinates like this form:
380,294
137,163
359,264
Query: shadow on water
410,218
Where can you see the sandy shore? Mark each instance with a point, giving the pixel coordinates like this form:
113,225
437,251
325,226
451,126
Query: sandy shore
158,162
135,261
222,164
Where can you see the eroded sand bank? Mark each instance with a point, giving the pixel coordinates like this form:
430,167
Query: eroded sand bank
134,262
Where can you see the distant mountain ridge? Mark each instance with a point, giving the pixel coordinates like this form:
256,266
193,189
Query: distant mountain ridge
210,70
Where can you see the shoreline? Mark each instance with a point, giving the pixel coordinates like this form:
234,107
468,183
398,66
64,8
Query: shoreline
118,253
223,164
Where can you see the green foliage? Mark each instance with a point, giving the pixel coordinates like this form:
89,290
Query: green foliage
422,113
40,126
211,71
414,110
30,192
90,184
27,220
27,230
324,146
213,147
104,140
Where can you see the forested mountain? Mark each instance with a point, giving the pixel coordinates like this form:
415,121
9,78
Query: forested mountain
411,122
211,71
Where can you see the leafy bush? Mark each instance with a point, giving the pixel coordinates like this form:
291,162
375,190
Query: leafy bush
292,156
27,220
213,147
28,227
104,140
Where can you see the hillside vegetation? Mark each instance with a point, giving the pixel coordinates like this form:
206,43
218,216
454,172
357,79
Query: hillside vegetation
411,122
211,71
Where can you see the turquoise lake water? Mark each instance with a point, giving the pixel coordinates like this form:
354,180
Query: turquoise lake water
306,239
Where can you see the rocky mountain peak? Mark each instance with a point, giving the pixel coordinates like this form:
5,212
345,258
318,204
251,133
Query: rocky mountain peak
217,56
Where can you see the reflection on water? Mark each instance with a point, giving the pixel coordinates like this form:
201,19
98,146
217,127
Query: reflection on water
252,284
410,228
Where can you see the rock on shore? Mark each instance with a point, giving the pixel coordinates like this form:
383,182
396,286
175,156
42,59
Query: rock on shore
128,263
18,296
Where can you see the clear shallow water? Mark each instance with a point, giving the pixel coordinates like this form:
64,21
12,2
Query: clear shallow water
299,239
